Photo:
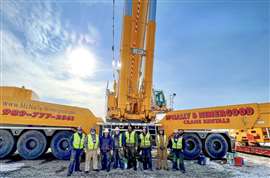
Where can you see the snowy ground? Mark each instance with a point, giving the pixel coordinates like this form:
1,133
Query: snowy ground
47,166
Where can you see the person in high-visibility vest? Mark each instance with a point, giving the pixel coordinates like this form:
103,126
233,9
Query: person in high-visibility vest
146,147
162,143
177,146
91,150
77,141
118,153
131,143
106,149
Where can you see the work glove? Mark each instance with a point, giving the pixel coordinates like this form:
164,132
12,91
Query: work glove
98,151
111,152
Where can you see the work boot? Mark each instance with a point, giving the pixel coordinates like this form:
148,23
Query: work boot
97,170
86,172
68,174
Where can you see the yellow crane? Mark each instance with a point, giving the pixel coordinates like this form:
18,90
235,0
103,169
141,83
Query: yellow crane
31,126
131,96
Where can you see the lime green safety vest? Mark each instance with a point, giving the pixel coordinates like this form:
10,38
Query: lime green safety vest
178,144
78,141
91,145
130,138
120,140
145,140
158,139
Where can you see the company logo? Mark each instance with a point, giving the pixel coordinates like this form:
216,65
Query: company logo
211,116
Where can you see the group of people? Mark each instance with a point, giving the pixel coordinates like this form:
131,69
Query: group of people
120,149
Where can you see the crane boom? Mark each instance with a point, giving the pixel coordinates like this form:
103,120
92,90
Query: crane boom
131,99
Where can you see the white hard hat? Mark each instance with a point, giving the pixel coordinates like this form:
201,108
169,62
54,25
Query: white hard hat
117,129
175,131
106,130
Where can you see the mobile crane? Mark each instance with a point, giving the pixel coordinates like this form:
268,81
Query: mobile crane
31,127
132,93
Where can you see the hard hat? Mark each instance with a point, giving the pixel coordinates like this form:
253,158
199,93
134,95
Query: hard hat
93,130
175,131
117,129
106,130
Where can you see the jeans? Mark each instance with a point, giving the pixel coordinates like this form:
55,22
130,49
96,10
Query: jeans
131,157
105,160
75,159
178,156
118,159
147,158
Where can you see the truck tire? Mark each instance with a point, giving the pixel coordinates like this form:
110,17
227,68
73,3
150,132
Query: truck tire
7,143
60,145
193,146
216,146
31,144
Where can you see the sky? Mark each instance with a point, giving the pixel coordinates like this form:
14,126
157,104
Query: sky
209,53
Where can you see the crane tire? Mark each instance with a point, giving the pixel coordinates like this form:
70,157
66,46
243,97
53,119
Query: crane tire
216,146
60,145
7,143
193,146
31,144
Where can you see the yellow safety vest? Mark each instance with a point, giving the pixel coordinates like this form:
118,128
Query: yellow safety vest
158,139
145,140
91,145
120,140
178,144
78,141
130,138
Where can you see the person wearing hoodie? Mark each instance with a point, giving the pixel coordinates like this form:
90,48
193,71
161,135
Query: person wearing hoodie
106,150
118,152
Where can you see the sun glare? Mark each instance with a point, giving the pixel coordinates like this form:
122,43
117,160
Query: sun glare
82,62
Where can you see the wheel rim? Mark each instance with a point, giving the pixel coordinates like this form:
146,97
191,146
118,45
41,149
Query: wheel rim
216,145
31,144
1,142
190,145
64,144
